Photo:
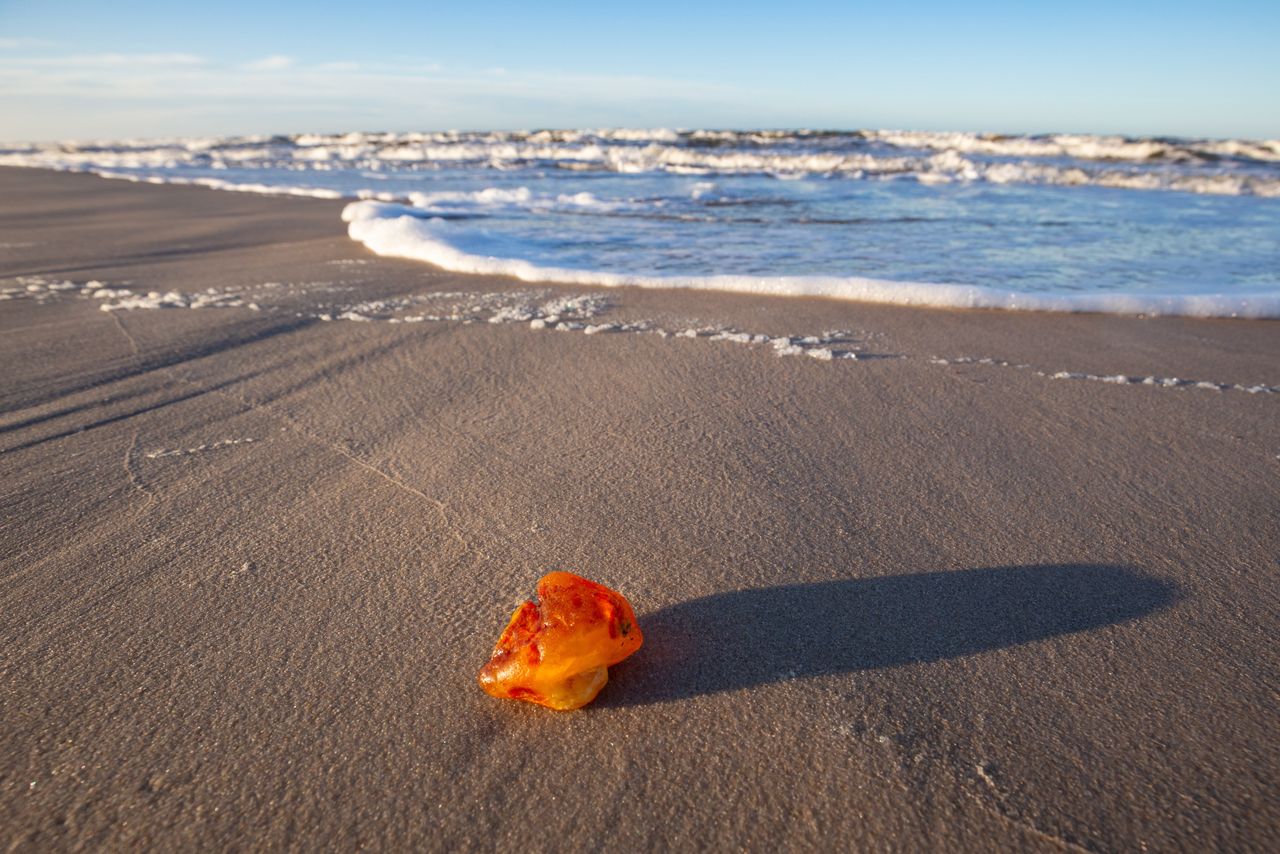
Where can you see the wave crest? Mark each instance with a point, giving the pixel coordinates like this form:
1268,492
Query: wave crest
396,231
1215,167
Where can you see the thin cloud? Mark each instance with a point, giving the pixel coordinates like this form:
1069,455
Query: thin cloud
24,42
275,62
109,60
129,76
100,96
379,66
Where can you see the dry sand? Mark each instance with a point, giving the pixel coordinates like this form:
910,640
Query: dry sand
889,604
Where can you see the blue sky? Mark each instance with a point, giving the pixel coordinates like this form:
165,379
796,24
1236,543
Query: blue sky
93,69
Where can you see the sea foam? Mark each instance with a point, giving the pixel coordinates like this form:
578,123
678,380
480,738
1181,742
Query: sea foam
1213,167
397,231
1061,222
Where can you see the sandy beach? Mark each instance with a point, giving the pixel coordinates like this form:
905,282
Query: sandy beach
1005,581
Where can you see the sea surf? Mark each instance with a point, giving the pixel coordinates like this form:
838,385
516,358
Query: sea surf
1039,222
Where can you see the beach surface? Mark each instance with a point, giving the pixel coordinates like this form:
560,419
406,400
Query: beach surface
1000,582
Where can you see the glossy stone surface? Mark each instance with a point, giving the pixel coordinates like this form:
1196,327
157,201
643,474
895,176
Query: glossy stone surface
556,652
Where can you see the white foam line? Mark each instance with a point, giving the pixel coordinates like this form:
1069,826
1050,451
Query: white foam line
575,314
176,299
564,314
198,449
220,184
391,230
1112,379
929,157
43,289
116,297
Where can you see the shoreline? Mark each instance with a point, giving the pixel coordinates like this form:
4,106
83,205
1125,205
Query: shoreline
253,558
387,225
396,231
1223,351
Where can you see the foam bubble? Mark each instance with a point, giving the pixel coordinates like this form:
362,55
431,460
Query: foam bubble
389,230
855,202
1195,166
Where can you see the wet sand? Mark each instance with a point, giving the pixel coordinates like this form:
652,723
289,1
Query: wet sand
250,560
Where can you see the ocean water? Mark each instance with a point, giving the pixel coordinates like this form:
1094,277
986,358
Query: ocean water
1070,223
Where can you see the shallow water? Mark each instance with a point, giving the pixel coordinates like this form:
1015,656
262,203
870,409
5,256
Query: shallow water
1065,222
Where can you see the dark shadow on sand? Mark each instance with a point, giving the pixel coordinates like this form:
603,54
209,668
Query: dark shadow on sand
737,640
240,335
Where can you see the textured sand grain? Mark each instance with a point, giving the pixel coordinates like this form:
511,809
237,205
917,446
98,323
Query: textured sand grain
889,604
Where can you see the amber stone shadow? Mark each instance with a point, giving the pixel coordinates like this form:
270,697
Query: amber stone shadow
737,640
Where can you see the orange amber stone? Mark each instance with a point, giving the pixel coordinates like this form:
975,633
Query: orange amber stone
556,653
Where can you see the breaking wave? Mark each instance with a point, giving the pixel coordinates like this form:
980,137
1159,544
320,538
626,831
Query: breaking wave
1219,167
1061,222
401,232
